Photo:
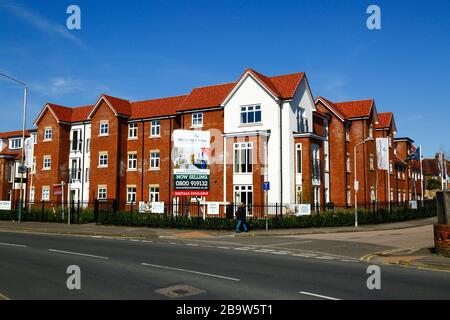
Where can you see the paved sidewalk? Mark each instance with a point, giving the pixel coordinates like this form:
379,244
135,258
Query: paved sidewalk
143,232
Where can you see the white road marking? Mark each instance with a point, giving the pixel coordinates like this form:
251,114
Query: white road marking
190,271
304,255
280,252
325,258
147,241
287,243
318,295
77,254
13,245
192,244
135,240
242,249
354,261
225,248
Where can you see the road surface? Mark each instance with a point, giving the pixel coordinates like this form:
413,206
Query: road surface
33,266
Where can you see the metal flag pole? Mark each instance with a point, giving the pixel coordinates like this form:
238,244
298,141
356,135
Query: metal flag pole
421,175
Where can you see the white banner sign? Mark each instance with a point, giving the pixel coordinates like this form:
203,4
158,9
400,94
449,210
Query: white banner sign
5,205
157,207
214,208
383,153
29,152
304,210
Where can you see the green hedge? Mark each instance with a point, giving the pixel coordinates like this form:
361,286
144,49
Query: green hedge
322,219
48,215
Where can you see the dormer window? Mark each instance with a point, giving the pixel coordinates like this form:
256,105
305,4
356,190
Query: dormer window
251,114
15,143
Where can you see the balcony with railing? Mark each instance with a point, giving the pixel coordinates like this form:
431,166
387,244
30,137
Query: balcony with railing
316,170
302,125
76,145
75,174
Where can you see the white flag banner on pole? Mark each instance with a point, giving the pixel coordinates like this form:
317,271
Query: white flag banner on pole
29,152
383,153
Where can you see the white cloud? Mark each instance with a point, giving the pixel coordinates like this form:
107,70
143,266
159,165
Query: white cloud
57,87
43,24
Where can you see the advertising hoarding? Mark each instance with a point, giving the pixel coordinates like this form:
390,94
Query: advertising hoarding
191,162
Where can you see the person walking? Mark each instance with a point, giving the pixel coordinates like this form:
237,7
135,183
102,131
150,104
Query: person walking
240,215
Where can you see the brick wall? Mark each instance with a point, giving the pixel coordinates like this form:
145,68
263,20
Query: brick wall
442,238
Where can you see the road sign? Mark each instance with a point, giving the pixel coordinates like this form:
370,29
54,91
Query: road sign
266,186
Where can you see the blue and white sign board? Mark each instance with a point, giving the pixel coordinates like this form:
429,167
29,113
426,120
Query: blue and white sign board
157,207
5,205
304,210
213,208
266,186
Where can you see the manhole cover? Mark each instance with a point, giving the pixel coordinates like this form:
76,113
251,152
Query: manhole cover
179,291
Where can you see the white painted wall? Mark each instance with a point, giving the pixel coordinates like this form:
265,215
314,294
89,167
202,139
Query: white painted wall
84,156
252,92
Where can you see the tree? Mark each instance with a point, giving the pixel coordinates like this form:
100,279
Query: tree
433,184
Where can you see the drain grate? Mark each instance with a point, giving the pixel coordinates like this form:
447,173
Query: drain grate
180,291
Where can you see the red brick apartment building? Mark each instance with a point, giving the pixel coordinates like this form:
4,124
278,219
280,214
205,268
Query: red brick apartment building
262,130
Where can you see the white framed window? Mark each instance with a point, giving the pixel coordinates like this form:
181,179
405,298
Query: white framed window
197,119
103,160
372,194
391,168
244,194
251,114
76,144
299,194
131,194
133,130
243,162
32,193
154,194
298,158
47,163
48,134
132,161
45,193
155,129
11,172
104,128
392,195
34,137
370,131
86,177
154,160
33,167
88,145
371,162
349,196
15,143
102,193
315,153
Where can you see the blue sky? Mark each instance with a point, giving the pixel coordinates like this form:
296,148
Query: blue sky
149,49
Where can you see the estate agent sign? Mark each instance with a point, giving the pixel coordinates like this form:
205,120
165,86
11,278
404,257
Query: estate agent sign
191,162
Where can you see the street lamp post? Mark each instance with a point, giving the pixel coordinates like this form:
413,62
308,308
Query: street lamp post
356,183
23,137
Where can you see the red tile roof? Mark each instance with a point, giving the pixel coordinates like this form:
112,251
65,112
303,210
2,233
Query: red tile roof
121,106
355,109
156,107
384,120
11,134
66,114
332,106
204,97
283,87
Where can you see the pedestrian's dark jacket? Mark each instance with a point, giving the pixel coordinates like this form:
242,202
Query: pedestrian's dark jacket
240,213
